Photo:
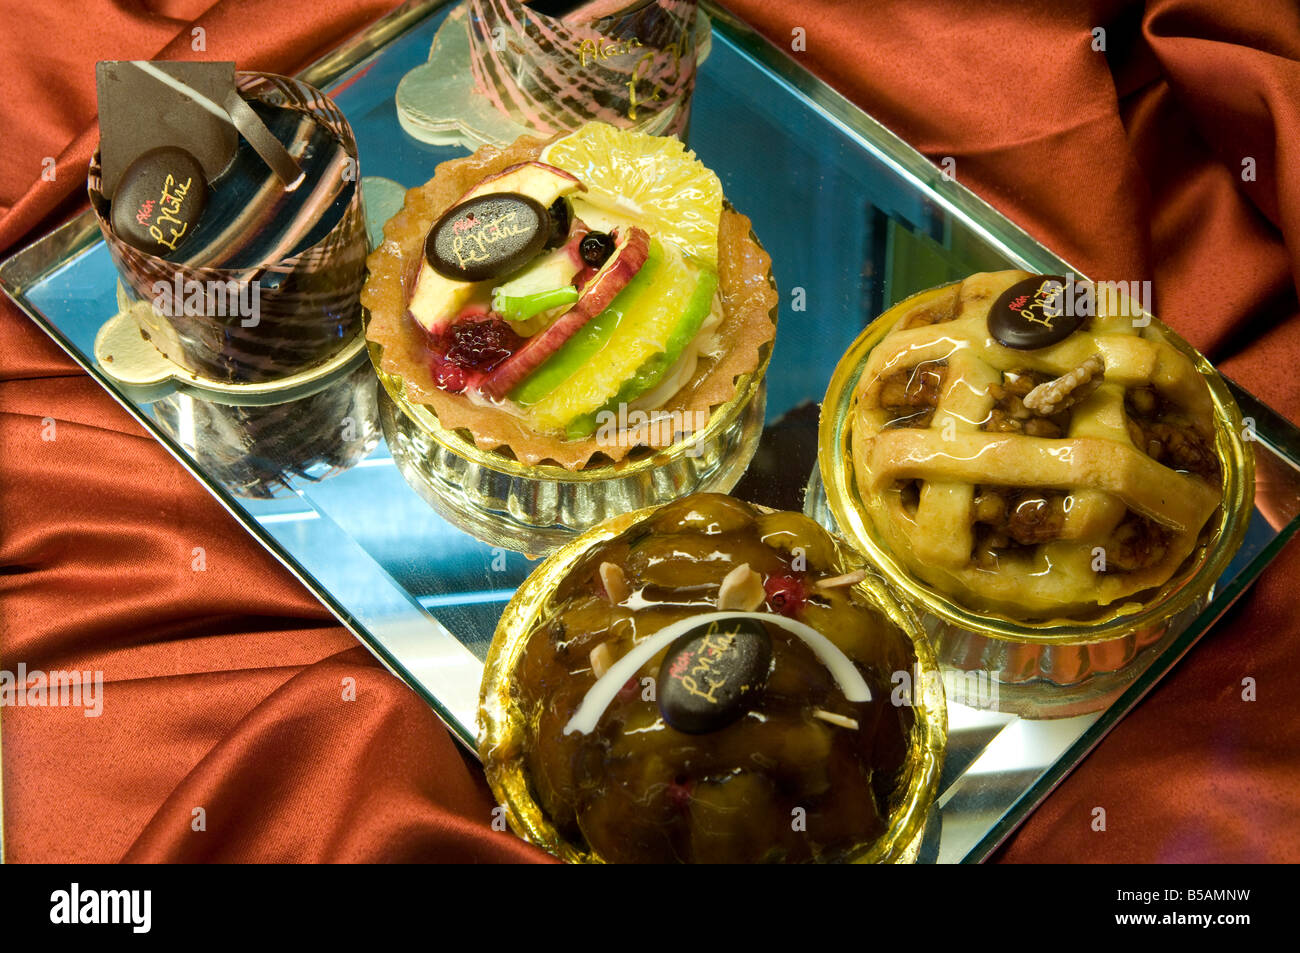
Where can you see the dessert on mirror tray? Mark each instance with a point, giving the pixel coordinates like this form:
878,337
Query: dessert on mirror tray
571,301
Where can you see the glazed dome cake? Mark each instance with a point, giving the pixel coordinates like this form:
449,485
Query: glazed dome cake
694,683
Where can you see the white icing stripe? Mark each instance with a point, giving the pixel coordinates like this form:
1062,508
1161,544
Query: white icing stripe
599,696
184,89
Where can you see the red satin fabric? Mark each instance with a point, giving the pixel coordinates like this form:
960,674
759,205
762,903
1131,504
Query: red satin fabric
225,685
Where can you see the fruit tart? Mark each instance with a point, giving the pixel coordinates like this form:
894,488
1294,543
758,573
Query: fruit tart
711,682
568,302
1036,449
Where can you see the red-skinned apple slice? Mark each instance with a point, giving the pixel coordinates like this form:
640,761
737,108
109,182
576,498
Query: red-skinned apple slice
630,252
436,299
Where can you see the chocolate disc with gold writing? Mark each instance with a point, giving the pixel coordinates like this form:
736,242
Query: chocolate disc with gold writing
712,673
488,236
159,200
1034,312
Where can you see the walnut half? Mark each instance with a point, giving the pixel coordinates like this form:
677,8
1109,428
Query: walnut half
1068,389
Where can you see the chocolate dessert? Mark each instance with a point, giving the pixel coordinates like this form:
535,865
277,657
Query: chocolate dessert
244,229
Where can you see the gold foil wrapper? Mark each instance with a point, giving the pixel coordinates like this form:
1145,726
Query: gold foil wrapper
1055,667
503,726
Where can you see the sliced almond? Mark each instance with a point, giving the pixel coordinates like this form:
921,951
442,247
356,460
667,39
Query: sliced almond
741,590
601,658
611,576
831,718
848,579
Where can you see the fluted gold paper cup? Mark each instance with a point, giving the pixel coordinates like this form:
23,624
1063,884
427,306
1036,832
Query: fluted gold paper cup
506,729
1053,665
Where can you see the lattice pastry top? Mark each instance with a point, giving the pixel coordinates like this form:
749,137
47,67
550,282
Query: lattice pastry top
1038,483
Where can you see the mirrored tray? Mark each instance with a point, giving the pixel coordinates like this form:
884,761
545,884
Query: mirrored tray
313,480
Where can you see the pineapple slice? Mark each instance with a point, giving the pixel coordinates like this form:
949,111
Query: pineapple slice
653,181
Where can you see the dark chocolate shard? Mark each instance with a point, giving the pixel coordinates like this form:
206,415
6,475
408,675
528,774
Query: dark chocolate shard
137,114
272,151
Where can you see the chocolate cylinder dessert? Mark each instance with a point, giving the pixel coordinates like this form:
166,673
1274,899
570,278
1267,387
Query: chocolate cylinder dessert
499,69
253,260
709,682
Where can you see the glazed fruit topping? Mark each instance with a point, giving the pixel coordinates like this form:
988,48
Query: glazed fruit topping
678,199
596,248
482,345
448,376
786,594
633,248
745,721
561,213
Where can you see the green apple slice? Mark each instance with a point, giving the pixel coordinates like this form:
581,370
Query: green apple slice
648,326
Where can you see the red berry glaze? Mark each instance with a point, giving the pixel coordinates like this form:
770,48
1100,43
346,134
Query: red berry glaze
482,345
786,594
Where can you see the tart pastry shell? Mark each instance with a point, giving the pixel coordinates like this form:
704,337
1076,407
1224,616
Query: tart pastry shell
748,327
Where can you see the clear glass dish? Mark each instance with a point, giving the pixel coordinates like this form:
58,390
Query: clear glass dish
533,508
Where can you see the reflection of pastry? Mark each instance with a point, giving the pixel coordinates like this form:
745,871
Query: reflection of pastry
1074,469
699,676
571,302
629,63
500,69
260,451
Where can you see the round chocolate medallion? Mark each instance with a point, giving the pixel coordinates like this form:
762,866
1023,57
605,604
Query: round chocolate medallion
487,236
711,674
159,200
1033,313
